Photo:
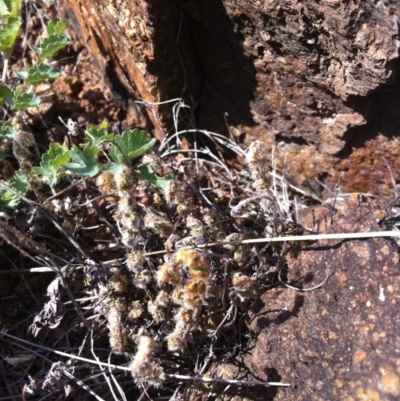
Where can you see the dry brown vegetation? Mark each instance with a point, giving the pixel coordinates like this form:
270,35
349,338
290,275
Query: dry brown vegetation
113,289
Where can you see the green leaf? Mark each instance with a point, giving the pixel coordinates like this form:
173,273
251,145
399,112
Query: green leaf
56,157
7,130
95,135
7,133
9,7
5,8
48,173
50,45
113,168
25,100
55,150
20,183
147,174
57,26
132,143
85,162
7,199
8,33
6,95
39,73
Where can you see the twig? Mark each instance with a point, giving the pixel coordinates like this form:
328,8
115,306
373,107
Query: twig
82,384
337,189
314,237
331,273
48,217
217,137
167,376
101,367
317,237
62,192
226,381
42,269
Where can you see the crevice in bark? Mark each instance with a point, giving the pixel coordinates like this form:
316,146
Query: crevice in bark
218,76
381,111
293,140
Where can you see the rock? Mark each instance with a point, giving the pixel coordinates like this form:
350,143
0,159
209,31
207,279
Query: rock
338,342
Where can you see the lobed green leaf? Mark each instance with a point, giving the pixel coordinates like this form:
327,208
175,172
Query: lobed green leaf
96,135
25,100
85,161
7,199
7,133
9,7
20,183
147,174
132,143
39,73
6,95
7,130
56,26
56,157
50,45
8,33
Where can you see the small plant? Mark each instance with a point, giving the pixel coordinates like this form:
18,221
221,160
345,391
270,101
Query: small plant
22,97
10,25
101,151
9,201
19,98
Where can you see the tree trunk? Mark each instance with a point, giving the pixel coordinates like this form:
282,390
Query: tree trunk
315,79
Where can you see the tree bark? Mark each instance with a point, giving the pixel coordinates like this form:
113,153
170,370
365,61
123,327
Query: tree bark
313,78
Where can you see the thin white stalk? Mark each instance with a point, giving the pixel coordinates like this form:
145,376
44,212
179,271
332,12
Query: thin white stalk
217,137
314,237
83,385
5,66
228,381
317,237
101,367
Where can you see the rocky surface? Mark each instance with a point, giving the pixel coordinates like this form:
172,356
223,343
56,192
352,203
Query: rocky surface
338,342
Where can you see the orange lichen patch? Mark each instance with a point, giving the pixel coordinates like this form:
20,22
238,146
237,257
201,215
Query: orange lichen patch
390,381
305,162
359,355
339,383
366,170
367,394
362,251
385,250
333,336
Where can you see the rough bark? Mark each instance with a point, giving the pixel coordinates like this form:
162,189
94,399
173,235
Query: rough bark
314,78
